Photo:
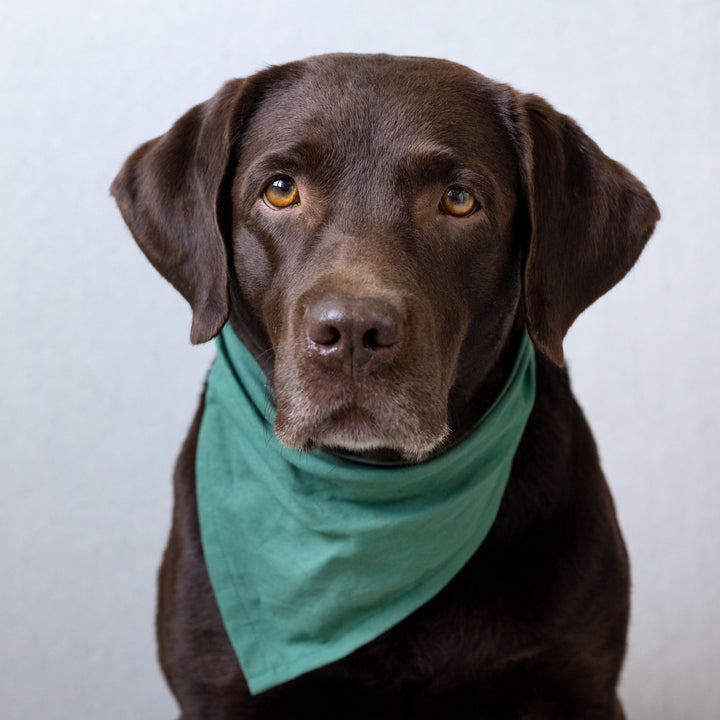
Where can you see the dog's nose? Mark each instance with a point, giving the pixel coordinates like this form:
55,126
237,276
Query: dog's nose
350,333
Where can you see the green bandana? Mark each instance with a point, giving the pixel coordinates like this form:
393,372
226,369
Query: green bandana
311,555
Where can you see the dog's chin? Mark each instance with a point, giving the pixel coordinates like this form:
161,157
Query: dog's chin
353,431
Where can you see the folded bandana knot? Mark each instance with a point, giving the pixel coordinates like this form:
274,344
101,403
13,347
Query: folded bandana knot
312,556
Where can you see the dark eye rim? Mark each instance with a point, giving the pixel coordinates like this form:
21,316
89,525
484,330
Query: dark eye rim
295,194
442,207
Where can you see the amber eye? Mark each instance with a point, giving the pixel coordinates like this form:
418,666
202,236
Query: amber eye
282,192
458,202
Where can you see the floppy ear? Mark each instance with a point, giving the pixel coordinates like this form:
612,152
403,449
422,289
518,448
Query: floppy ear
168,193
590,219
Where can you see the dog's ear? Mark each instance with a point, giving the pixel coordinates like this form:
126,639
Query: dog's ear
168,192
589,221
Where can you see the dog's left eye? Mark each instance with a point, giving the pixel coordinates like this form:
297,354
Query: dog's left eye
458,202
281,192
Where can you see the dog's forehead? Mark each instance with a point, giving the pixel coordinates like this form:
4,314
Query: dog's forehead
381,105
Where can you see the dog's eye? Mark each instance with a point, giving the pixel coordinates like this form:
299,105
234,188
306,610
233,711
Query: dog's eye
458,202
281,192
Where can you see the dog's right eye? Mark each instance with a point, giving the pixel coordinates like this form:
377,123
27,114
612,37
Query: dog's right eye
282,192
458,202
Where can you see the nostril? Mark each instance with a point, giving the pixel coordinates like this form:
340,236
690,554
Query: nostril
370,339
325,335
383,326
379,338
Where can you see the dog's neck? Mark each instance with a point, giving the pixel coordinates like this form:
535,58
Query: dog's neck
468,402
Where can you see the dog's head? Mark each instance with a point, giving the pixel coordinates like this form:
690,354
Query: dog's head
375,227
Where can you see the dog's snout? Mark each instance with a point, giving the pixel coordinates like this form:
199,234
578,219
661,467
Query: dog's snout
349,333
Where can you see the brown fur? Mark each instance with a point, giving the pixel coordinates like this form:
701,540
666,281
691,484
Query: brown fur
534,625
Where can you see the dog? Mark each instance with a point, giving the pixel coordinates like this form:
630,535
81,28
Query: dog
382,234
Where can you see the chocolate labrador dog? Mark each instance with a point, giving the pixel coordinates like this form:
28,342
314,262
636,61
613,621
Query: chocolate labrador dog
383,234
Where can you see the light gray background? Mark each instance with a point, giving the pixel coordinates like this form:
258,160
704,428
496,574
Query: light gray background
99,380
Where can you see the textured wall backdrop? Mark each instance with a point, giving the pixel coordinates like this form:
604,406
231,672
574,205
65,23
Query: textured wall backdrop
99,380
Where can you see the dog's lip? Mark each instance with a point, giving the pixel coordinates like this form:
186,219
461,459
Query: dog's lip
347,417
352,424
351,429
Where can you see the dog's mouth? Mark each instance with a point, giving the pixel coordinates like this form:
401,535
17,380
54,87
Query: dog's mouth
355,430
380,422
